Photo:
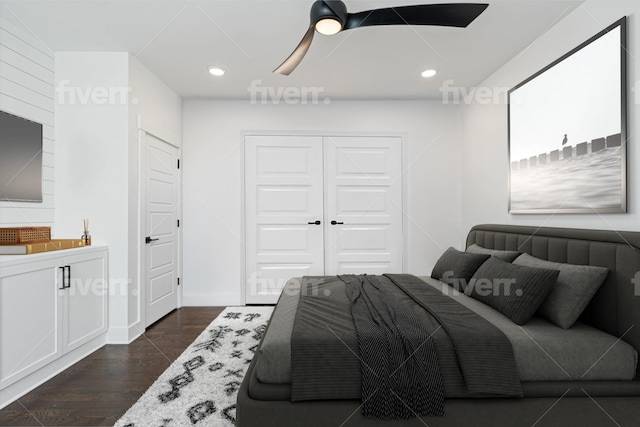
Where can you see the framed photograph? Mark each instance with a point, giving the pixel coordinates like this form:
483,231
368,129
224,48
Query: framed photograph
567,131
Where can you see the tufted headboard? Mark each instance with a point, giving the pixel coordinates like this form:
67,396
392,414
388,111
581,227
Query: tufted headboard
616,307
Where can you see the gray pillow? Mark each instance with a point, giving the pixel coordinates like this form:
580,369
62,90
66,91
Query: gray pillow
508,256
456,268
514,290
575,287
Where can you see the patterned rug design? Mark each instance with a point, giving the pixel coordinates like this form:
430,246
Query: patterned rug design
200,387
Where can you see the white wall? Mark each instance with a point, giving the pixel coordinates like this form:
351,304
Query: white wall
100,96
484,153
92,170
213,182
159,106
26,90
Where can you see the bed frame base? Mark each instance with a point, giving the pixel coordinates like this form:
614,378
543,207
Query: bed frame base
540,412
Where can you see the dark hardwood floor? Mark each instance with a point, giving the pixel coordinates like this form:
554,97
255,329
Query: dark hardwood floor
99,389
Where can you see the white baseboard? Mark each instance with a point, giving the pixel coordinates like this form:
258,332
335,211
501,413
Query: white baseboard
125,335
210,300
135,330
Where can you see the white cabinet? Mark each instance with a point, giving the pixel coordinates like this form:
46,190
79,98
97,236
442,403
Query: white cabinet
53,312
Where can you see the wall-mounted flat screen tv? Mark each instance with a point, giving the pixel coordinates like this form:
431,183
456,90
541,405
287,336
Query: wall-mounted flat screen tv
20,159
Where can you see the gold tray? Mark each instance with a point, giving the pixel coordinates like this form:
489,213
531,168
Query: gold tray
34,248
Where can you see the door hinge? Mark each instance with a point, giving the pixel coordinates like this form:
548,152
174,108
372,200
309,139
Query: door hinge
178,163
178,223
178,281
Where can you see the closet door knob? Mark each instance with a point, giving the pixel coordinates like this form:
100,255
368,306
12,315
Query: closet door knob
334,222
316,222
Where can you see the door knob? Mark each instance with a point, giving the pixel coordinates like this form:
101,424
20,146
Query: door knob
148,239
316,222
334,222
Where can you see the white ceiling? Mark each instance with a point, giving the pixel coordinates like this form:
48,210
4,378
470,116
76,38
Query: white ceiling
178,40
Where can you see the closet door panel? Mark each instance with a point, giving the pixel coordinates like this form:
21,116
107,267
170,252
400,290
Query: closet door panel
283,190
363,205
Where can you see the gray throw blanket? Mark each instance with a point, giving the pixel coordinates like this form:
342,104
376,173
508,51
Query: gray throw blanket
399,364
483,352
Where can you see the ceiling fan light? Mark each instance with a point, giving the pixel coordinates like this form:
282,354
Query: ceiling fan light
429,73
328,26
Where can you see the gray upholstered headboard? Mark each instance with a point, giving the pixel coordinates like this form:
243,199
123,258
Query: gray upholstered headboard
616,307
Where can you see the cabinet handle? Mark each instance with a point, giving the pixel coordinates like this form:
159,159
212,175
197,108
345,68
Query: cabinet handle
66,277
63,280
334,222
316,222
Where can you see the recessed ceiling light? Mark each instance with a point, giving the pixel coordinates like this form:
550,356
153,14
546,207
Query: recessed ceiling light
429,73
216,71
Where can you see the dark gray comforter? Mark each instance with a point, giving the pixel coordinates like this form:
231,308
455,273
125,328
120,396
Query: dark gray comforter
475,358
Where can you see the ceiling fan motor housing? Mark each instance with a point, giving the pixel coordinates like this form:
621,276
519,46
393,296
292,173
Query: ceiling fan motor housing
329,9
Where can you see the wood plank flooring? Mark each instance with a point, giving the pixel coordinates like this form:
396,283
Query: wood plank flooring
99,389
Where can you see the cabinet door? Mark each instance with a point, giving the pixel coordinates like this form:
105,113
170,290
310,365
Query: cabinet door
30,319
85,300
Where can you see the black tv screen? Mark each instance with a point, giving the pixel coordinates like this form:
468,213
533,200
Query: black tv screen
20,159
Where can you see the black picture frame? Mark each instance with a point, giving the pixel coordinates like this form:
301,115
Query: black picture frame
567,128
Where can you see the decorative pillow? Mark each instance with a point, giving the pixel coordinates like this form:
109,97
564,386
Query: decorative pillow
508,256
456,268
575,287
514,290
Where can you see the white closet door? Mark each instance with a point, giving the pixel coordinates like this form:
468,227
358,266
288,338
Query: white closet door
363,195
283,190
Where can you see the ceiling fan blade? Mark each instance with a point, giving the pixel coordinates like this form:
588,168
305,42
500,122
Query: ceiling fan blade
448,15
296,56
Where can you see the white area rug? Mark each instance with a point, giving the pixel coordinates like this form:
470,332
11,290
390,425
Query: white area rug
200,387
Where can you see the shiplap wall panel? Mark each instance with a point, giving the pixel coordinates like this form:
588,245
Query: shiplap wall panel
24,45
27,90
29,111
48,188
22,214
16,75
26,64
23,93
48,133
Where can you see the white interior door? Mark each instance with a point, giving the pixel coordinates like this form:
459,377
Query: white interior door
284,213
363,205
161,225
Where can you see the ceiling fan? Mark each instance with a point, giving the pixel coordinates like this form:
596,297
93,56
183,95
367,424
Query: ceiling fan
329,17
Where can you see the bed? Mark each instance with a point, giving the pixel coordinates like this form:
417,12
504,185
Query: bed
567,390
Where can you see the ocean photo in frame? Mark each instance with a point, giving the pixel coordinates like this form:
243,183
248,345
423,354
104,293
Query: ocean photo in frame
567,131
